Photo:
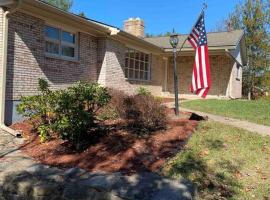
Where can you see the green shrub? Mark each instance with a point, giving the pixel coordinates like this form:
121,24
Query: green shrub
77,109
143,91
145,112
70,113
38,106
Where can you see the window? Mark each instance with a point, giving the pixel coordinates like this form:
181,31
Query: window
60,43
137,65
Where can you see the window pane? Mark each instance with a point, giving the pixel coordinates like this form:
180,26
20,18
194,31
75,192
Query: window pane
137,56
126,63
146,67
137,64
131,73
146,57
68,37
52,32
141,75
145,76
141,66
68,51
127,54
142,57
131,53
52,48
136,74
131,63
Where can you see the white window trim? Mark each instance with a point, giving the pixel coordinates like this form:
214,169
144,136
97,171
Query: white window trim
60,43
144,62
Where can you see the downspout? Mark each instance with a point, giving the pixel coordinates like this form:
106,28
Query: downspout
4,68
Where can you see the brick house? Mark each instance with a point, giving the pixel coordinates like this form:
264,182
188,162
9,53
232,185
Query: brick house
40,41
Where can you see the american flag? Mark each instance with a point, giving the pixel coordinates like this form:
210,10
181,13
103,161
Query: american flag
201,77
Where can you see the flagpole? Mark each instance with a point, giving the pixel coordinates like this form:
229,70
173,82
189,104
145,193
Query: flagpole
202,12
174,41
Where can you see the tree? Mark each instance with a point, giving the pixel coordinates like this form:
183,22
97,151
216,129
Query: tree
253,17
159,35
62,4
81,14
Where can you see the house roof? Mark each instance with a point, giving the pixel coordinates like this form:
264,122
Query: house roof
215,39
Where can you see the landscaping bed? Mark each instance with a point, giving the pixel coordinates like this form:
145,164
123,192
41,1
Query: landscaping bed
115,148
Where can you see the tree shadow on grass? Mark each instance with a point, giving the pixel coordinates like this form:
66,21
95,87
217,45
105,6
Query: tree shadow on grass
211,184
215,144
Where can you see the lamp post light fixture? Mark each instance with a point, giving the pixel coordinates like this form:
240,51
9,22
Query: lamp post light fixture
174,42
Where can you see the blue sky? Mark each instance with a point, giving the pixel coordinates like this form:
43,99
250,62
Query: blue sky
160,16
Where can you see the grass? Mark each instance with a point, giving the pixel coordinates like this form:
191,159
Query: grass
225,163
253,111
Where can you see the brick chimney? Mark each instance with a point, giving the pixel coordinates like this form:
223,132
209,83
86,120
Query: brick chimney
134,26
229,26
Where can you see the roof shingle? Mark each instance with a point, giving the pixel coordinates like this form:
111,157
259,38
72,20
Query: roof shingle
215,39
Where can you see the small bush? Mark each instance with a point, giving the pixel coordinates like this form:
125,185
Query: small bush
114,109
143,91
145,112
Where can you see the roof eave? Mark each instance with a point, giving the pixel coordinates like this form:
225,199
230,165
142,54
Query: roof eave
28,5
129,38
186,49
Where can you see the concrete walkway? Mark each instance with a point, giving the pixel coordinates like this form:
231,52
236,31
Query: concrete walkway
23,178
249,126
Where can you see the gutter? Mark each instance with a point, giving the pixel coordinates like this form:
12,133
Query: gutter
119,34
4,69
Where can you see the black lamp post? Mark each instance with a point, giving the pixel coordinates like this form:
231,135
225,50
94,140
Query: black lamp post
174,42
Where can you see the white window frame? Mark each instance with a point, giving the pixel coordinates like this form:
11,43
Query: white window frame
133,68
61,43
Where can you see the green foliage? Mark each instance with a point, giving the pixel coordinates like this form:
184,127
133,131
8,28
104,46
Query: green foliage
253,111
265,82
168,33
70,113
77,109
253,16
43,133
38,106
62,4
215,159
143,91
82,14
144,112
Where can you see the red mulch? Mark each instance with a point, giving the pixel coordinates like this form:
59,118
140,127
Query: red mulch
119,150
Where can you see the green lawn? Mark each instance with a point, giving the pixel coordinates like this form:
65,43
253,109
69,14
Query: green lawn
253,111
225,163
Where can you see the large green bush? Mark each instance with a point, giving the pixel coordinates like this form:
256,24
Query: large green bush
70,113
77,108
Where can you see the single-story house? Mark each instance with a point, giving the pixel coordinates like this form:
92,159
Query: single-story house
38,40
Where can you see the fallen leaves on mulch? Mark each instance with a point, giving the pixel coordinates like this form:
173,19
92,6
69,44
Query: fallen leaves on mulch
119,150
